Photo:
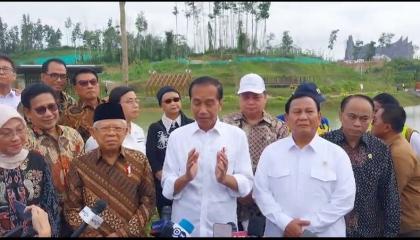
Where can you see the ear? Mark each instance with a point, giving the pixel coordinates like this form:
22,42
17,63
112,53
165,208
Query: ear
220,104
27,113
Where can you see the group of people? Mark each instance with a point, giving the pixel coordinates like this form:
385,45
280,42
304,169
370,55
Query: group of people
58,155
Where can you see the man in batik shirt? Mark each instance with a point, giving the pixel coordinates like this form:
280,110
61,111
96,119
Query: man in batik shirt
261,130
120,176
58,144
376,211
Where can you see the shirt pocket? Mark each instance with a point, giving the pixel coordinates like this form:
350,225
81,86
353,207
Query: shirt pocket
279,182
322,183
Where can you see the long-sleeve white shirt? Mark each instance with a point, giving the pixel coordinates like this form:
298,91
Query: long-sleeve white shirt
315,183
204,201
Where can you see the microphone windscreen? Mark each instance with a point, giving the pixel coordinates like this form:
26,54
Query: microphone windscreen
99,206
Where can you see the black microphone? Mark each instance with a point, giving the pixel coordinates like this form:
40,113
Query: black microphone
159,225
99,207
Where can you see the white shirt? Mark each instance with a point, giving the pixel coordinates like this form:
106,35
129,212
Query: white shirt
167,122
10,99
204,201
134,140
315,183
415,143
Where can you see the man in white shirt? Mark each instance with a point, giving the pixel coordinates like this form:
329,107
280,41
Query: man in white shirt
304,182
8,95
206,167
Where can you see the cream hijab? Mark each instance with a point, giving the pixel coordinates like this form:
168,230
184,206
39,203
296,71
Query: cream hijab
11,162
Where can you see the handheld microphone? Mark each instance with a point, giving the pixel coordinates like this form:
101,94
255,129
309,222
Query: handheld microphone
89,217
177,230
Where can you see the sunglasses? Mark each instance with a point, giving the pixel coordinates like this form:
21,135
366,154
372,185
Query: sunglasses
85,83
170,100
55,76
43,109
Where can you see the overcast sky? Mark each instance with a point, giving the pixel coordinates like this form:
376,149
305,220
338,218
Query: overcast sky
309,23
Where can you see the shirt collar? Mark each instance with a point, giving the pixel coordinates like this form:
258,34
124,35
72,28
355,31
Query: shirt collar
83,104
39,132
167,122
12,93
217,128
342,139
266,117
314,144
98,156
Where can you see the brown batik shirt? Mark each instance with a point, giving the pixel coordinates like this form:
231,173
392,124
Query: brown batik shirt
267,131
127,187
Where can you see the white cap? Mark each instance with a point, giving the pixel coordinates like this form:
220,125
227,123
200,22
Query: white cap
251,83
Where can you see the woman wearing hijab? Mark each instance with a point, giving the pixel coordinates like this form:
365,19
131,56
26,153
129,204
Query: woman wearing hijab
169,100
126,96
25,178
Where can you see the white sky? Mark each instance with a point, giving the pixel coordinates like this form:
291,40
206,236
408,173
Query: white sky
309,23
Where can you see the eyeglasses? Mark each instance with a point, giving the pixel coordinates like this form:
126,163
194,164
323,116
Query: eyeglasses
55,76
107,129
85,83
8,134
170,100
6,69
132,101
43,109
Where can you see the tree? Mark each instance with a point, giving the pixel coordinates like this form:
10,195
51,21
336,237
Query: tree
38,35
26,33
357,48
286,43
141,26
333,38
68,23
169,44
210,36
175,12
124,44
385,39
76,34
3,36
13,40
371,51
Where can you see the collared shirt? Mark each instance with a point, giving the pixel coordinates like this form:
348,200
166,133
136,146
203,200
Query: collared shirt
260,135
167,122
315,183
58,153
204,201
407,171
127,187
80,117
134,140
12,99
376,210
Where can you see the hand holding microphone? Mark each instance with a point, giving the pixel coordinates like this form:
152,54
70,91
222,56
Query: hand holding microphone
90,217
40,221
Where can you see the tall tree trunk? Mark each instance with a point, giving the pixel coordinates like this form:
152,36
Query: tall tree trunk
124,43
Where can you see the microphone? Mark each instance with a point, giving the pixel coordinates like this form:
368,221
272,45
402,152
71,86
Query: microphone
89,217
157,226
178,230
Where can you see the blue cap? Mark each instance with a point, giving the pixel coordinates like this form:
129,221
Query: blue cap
310,88
185,224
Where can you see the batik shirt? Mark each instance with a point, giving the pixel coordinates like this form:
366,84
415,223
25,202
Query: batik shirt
57,153
29,183
127,187
376,209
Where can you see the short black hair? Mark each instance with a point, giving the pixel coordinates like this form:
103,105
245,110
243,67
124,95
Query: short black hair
116,93
300,95
207,80
84,70
395,116
8,59
45,65
347,99
32,91
385,98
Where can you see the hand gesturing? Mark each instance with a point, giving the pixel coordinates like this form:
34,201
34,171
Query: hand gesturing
221,165
192,164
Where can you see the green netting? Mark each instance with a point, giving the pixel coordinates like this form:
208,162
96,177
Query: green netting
68,59
307,60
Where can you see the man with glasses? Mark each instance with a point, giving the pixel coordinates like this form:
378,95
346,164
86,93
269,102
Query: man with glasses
120,176
54,74
80,115
261,129
8,95
376,210
58,144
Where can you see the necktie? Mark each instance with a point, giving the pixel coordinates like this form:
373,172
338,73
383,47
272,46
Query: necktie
174,126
